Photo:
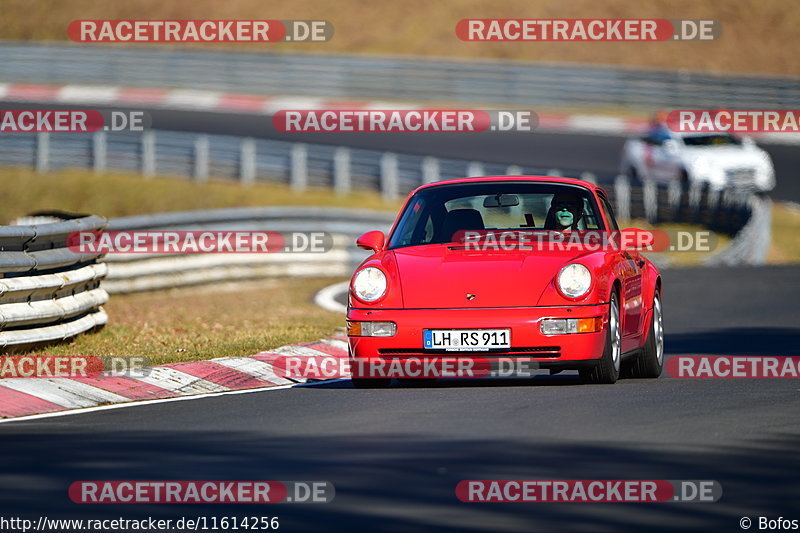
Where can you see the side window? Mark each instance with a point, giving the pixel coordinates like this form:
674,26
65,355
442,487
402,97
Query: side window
609,212
589,218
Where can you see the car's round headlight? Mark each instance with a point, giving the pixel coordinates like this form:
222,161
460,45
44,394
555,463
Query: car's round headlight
574,280
369,284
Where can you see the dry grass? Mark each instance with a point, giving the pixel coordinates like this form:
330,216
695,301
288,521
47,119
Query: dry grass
758,35
193,324
785,247
114,195
683,258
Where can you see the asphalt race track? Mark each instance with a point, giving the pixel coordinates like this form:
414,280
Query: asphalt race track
599,154
396,455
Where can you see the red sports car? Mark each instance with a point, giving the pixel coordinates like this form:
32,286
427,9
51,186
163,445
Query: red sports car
520,268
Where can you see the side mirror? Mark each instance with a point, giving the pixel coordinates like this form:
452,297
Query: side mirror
671,146
372,240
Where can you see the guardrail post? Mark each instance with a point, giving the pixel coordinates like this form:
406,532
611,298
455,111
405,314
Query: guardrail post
674,198
430,169
475,169
622,194
389,176
99,151
650,197
589,177
149,154
341,170
554,172
710,212
725,212
514,170
42,152
299,172
247,161
201,150
695,191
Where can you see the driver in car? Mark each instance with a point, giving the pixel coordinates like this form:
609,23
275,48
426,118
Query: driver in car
565,212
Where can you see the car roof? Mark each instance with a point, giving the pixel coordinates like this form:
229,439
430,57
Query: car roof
533,179
702,133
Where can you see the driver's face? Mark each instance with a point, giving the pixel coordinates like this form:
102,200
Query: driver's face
565,214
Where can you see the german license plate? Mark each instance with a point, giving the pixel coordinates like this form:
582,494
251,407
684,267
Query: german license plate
466,339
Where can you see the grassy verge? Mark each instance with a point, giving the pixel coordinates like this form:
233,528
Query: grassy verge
114,195
688,258
194,324
785,247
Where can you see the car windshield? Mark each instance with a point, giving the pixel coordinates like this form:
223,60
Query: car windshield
711,140
435,214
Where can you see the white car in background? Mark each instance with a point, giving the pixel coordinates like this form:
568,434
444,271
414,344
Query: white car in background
719,159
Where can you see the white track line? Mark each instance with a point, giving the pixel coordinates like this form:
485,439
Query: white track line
326,298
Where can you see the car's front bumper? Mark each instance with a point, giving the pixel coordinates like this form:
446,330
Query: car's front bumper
571,350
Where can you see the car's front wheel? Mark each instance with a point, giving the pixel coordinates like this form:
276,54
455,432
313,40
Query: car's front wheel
650,362
607,369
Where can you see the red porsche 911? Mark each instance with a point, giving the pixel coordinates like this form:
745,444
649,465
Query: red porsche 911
521,268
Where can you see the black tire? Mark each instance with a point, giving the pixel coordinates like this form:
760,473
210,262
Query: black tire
371,383
650,362
606,371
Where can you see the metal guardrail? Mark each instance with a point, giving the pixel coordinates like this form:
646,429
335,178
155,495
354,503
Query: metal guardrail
388,77
47,292
138,272
247,160
394,175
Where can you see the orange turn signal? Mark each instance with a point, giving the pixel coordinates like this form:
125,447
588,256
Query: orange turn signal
590,325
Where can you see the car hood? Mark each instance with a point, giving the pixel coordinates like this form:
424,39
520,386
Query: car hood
442,276
726,156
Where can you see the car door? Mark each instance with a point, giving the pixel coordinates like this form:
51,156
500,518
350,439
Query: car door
658,159
629,268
